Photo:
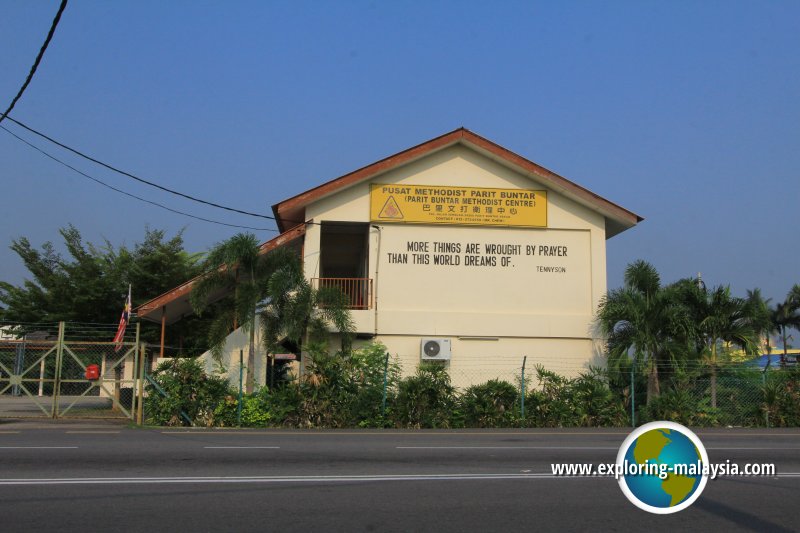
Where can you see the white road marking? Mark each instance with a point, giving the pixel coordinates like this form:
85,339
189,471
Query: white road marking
301,479
507,447
38,447
242,447
755,448
564,448
275,479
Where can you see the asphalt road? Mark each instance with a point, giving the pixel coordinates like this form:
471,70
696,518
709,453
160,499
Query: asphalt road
106,477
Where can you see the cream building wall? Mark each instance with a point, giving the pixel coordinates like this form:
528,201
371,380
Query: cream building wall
525,304
238,341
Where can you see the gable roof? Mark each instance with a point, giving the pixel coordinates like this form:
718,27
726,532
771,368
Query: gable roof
291,211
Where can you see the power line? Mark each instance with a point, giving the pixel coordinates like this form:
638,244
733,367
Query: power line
137,178
307,222
124,192
38,60
127,174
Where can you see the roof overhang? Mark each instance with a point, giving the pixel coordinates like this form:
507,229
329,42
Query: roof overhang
292,211
174,304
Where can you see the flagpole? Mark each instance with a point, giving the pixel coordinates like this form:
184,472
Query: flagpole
119,338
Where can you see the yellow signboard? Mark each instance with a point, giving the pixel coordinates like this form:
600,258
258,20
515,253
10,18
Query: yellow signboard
435,204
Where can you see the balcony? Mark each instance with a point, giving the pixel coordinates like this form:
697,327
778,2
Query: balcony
357,290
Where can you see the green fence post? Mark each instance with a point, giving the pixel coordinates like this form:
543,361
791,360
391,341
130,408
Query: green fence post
385,376
239,403
140,361
522,391
633,394
764,388
153,383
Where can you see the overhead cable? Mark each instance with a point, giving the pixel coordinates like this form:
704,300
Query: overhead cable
85,175
137,178
38,60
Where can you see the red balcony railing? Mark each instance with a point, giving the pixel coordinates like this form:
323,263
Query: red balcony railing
357,290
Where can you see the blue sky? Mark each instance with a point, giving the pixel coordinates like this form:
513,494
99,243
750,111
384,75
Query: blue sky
687,113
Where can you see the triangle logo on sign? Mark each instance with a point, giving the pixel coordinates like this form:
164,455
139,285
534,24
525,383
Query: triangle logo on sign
391,210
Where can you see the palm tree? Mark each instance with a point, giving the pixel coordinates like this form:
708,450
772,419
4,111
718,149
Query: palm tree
645,320
234,265
787,315
721,319
761,313
794,294
296,312
270,286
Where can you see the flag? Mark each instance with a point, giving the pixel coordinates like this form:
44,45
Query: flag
123,322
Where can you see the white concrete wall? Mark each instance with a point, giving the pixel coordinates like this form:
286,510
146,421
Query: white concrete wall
236,341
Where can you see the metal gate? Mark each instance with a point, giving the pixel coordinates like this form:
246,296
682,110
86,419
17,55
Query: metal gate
48,378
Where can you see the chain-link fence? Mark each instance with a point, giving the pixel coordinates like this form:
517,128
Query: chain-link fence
695,393
727,394
60,370
375,389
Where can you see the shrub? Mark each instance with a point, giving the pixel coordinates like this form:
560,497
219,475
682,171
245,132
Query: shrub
682,406
550,405
781,394
325,390
587,400
188,389
491,404
367,366
345,389
596,403
427,399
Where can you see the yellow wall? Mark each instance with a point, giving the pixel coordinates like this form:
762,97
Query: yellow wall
531,311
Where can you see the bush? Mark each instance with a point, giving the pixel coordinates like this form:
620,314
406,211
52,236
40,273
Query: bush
682,406
264,408
781,393
367,367
187,389
427,399
345,389
489,405
739,398
325,390
585,401
596,403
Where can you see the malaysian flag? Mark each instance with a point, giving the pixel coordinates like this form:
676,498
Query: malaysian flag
123,322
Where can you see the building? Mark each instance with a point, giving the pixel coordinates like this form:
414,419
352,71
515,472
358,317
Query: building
456,250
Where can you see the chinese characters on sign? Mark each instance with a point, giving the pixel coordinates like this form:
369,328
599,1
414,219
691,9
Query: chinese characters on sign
429,204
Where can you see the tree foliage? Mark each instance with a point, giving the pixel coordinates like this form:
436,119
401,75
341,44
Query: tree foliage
295,312
720,320
646,321
233,266
687,329
89,283
785,316
271,287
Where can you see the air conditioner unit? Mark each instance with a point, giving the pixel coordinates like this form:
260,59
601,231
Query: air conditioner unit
434,349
